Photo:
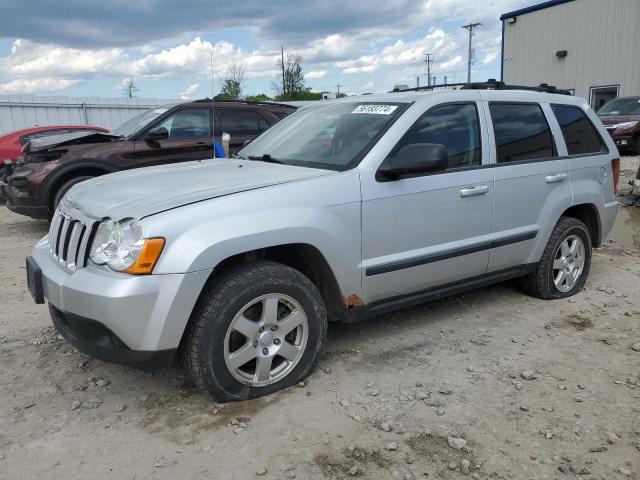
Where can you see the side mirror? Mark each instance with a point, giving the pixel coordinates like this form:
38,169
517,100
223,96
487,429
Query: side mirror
415,159
158,133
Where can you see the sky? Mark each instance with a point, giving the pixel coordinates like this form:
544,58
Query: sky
87,48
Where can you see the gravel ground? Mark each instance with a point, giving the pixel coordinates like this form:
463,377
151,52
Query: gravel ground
488,385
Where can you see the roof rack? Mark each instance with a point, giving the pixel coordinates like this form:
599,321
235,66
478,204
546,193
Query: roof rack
246,102
491,84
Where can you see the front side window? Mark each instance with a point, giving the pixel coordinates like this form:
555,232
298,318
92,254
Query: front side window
332,135
188,123
454,126
521,132
579,133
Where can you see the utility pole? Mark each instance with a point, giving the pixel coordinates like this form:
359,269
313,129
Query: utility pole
338,92
418,81
471,27
429,60
284,88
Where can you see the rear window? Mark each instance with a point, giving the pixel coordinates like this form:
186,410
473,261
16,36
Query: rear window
579,133
521,132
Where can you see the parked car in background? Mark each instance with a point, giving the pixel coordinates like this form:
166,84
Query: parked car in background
621,118
345,209
11,143
167,134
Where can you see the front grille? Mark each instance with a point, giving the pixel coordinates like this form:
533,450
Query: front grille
69,240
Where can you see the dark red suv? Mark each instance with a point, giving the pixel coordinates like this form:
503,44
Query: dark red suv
621,118
167,134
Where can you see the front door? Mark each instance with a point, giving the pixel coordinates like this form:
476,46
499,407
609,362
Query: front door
189,138
433,229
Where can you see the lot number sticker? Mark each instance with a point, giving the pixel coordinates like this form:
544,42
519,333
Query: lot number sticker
375,109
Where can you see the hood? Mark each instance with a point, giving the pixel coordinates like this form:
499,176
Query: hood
76,138
615,119
142,192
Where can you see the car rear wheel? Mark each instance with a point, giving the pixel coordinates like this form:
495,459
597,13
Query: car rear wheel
564,266
258,328
65,187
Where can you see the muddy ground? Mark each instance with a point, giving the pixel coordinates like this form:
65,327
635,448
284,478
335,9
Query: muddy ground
528,389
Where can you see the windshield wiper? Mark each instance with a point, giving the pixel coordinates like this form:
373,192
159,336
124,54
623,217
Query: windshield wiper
265,158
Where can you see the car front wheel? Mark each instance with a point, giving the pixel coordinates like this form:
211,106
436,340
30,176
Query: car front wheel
258,328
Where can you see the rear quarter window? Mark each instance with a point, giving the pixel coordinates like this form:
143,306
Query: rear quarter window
580,135
521,132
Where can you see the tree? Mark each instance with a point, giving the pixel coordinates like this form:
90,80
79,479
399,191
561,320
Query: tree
232,82
261,97
291,86
130,88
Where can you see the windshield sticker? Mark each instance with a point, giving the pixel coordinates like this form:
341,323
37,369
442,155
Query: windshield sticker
375,109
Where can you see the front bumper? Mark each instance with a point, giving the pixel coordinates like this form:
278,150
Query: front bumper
96,340
118,317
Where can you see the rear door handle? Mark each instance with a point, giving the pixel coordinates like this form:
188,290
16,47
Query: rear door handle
474,190
558,177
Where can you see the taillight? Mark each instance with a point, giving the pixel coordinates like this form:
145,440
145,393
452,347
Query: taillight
615,168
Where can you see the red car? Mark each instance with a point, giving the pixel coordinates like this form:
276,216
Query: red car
12,142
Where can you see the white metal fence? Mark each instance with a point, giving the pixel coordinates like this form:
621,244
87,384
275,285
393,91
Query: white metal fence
23,111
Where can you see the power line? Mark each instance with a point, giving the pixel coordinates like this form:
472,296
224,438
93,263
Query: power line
429,60
471,27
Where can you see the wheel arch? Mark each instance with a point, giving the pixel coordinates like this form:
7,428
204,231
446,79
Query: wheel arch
309,261
65,174
588,214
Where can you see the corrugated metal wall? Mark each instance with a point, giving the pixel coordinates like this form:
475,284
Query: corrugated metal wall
602,39
22,111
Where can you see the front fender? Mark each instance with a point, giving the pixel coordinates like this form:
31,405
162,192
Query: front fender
203,235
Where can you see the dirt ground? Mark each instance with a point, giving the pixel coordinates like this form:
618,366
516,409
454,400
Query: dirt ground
488,385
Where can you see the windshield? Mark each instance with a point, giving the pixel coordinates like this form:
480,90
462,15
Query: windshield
134,124
621,106
332,136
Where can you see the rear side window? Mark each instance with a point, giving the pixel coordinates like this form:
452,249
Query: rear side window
579,133
521,132
242,122
456,127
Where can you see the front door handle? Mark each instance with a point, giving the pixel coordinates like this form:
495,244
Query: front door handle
474,190
558,177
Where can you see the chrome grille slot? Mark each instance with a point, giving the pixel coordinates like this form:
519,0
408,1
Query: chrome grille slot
69,240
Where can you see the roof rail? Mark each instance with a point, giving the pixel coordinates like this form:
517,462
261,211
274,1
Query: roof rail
491,84
246,102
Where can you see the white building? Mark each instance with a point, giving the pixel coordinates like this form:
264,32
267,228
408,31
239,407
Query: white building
591,47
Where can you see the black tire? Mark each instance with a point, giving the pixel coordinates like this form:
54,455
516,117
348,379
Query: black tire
219,303
539,283
64,188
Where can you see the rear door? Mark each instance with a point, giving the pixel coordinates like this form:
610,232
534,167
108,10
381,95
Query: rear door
532,185
190,138
241,124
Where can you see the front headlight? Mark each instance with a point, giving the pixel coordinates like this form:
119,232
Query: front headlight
120,246
625,125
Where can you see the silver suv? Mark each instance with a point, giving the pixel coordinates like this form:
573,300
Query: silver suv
343,210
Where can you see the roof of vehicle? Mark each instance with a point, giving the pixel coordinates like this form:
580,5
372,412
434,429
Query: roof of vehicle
44,128
419,96
244,103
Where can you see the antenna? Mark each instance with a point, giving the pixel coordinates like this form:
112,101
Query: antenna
213,111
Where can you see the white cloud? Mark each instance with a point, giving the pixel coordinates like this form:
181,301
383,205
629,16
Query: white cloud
38,85
189,91
315,74
490,57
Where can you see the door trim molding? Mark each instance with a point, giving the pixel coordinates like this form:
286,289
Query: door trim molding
451,253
